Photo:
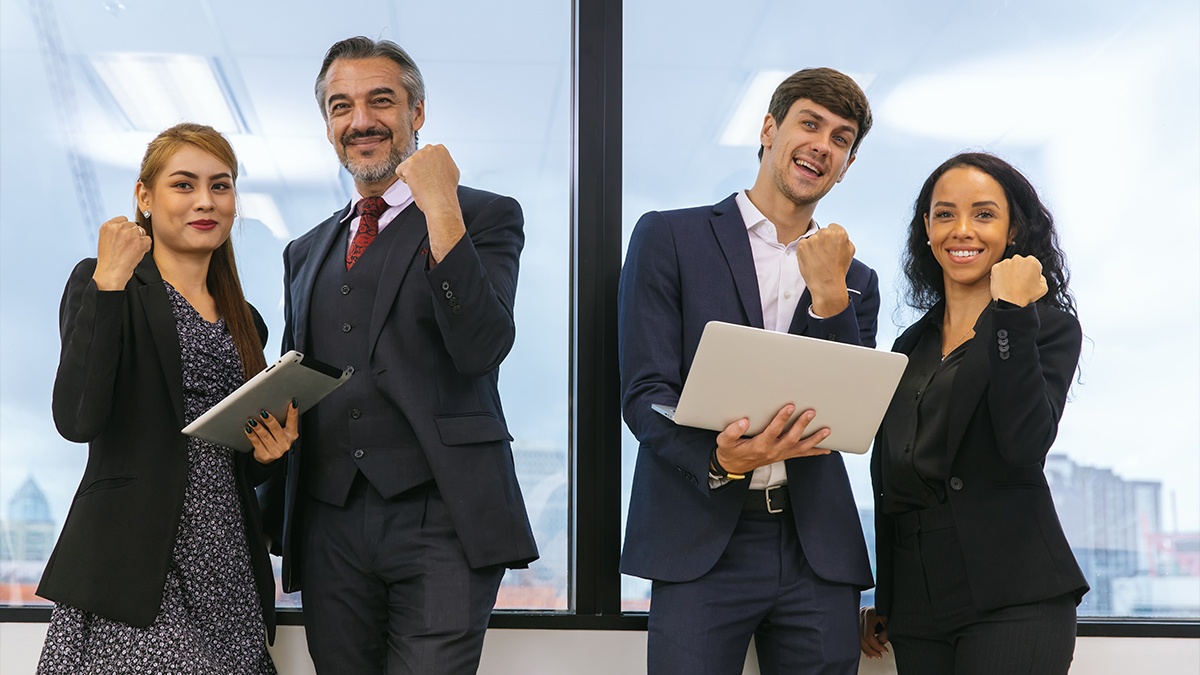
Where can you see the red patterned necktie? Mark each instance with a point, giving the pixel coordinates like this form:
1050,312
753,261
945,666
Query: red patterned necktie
369,210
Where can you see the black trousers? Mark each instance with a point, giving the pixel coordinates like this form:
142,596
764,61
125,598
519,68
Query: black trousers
935,628
387,587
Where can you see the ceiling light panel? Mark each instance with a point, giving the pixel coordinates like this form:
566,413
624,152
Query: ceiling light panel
156,91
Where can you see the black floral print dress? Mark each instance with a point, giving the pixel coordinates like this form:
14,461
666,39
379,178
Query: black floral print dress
210,622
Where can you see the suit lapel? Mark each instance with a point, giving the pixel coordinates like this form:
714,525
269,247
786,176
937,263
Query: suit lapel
969,383
800,318
302,287
731,234
157,306
413,230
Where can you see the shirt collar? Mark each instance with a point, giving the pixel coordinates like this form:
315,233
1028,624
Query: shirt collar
752,217
397,194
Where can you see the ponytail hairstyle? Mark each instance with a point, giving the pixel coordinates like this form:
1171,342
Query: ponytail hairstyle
222,279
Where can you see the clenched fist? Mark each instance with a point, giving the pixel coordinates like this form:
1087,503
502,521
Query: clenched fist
824,260
122,246
1018,280
432,176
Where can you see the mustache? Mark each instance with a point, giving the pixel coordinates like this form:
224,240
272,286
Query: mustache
351,136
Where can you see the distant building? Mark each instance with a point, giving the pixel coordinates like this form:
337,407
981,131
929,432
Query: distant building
1115,529
28,533
542,471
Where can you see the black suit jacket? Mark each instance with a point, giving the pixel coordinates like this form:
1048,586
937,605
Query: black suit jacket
1003,419
437,339
119,388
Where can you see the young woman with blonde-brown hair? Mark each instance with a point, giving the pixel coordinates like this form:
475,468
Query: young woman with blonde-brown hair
161,565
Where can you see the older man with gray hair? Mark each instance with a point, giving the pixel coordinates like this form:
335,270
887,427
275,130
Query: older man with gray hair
401,510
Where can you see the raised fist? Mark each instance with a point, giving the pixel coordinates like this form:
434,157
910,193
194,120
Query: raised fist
122,246
432,176
1018,280
824,260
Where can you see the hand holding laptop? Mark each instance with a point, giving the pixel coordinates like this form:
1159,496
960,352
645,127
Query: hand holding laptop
743,455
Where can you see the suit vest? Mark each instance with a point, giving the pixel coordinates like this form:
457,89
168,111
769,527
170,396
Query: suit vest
357,429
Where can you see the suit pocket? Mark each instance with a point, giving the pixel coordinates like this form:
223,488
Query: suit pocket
471,428
107,484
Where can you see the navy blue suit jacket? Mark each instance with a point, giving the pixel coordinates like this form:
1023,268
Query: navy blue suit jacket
438,362
683,269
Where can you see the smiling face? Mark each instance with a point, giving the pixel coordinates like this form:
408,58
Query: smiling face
191,202
369,122
968,226
809,152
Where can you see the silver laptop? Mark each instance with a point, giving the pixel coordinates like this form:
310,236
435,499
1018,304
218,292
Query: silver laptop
741,371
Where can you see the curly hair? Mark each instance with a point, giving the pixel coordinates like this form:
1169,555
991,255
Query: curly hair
1030,219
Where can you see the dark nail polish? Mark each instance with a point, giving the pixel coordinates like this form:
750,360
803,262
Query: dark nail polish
263,413
253,423
294,404
248,430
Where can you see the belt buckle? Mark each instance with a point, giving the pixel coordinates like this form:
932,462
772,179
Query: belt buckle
767,494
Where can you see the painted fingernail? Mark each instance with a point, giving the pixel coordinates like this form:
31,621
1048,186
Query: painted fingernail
263,413
253,423
248,430
294,404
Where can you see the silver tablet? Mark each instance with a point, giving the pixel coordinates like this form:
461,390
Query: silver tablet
741,371
293,375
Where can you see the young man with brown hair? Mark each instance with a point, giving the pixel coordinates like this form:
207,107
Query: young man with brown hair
754,536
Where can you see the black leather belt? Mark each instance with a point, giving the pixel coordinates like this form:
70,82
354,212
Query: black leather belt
772,500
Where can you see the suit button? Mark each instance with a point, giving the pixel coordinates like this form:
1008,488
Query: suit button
456,310
1001,333
345,290
1003,342
1003,356
918,396
453,302
358,453
908,448
350,370
956,483
346,328
831,336
356,413
445,285
449,294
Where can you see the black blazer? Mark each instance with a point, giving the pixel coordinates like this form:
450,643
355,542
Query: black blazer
1003,419
119,388
437,339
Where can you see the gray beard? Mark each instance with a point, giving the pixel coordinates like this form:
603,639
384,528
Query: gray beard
375,172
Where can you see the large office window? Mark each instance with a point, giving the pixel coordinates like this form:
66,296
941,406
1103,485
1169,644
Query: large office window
1097,104
85,85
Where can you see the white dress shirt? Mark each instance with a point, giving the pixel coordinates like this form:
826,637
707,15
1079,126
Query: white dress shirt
398,197
779,288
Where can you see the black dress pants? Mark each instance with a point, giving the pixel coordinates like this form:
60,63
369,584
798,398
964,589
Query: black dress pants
387,587
935,628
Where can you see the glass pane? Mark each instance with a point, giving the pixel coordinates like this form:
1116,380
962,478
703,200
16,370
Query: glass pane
85,85
1099,105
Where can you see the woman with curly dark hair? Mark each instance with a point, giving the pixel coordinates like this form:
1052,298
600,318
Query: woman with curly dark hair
975,574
